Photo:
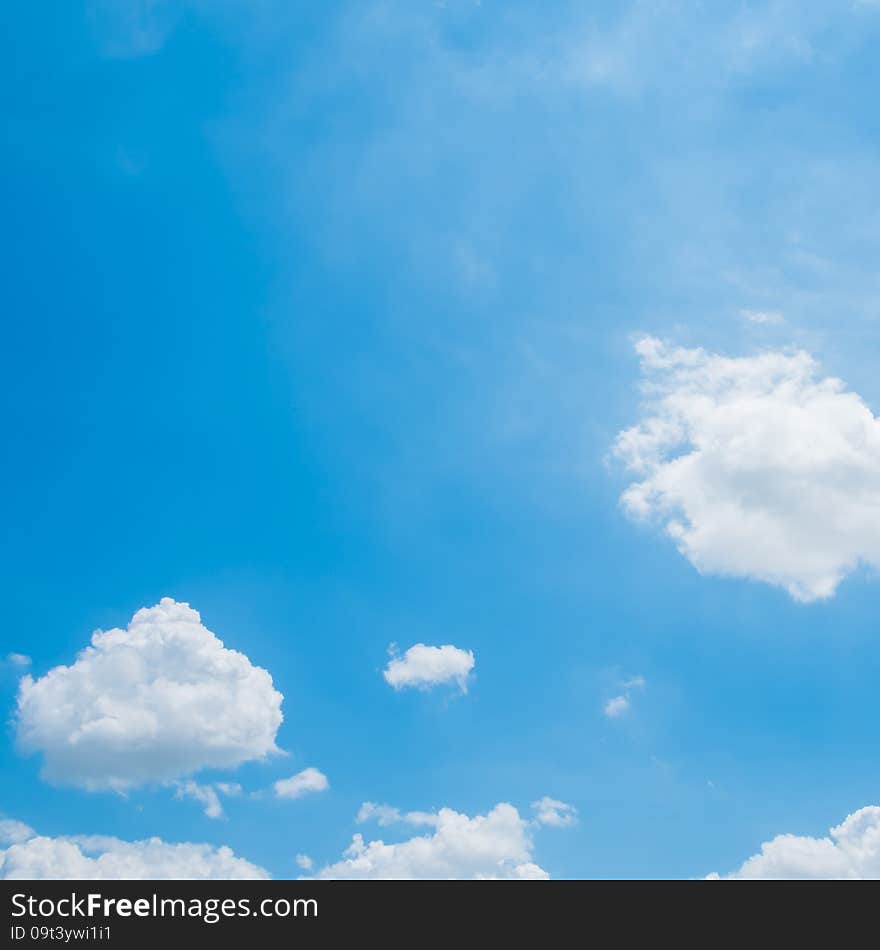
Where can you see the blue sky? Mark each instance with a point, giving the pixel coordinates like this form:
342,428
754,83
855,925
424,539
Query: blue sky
321,319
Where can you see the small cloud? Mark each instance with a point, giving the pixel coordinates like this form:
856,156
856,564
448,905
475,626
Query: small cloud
385,815
304,861
303,783
422,667
382,814
554,813
620,705
203,794
18,659
230,789
636,682
616,706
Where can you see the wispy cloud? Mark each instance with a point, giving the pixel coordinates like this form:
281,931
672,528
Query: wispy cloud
127,29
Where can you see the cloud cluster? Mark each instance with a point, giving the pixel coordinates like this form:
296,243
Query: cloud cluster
95,858
494,846
152,703
757,466
308,781
850,852
422,667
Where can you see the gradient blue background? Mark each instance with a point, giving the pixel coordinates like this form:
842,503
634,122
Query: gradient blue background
319,317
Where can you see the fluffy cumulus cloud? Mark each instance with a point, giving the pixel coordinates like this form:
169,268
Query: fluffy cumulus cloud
494,846
308,781
155,702
36,857
757,466
850,852
423,667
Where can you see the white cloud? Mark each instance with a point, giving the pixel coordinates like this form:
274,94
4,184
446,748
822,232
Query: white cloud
230,789
634,682
552,812
18,659
616,706
303,783
757,466
423,666
92,858
204,794
851,852
385,815
493,846
155,702
620,705
382,814
13,832
304,861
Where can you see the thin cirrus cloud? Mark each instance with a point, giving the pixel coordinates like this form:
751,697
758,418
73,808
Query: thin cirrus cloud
133,28
758,467
153,703
306,782
495,846
850,852
422,667
29,856
762,317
